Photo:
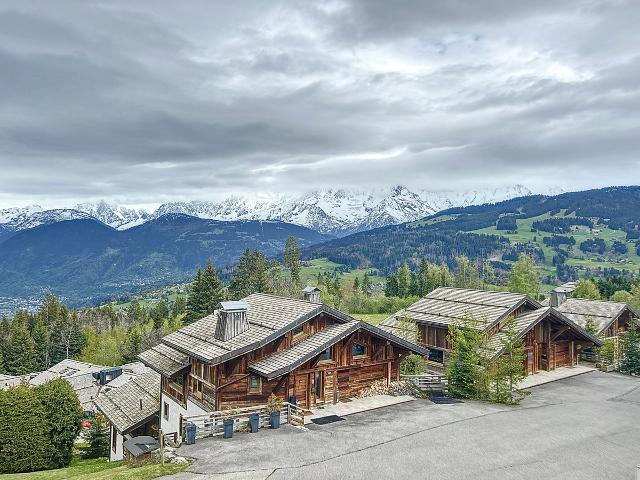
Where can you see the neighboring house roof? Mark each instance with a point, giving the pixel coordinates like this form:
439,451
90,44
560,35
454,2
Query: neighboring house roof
164,359
603,313
129,372
137,446
310,289
522,324
132,404
269,317
451,306
67,369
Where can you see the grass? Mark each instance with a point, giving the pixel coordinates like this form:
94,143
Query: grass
582,261
372,318
311,269
100,469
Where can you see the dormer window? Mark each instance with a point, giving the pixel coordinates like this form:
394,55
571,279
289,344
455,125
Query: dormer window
358,350
327,355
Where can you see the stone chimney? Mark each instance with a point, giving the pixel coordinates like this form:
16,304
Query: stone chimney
311,294
557,298
232,320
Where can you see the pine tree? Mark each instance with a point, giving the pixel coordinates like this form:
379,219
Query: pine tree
524,277
135,312
463,370
42,340
356,284
98,437
250,275
292,258
404,280
67,339
508,369
212,290
366,284
195,299
20,355
391,286
179,306
630,352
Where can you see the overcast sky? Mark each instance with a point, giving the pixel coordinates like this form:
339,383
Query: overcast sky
145,102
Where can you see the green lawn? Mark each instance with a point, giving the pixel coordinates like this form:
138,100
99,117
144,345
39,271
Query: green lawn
310,271
100,469
628,261
372,318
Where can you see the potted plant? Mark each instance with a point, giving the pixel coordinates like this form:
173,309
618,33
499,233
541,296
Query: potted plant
228,422
273,408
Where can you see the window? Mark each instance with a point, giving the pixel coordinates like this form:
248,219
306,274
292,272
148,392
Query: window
436,355
114,439
358,350
165,411
327,355
255,384
298,330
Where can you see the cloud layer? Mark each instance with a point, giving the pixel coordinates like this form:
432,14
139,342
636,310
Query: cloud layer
145,102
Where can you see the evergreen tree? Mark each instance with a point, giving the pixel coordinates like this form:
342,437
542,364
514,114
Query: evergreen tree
63,417
356,284
42,341
24,432
524,277
292,258
630,352
135,312
250,275
586,289
98,437
466,275
509,367
212,290
391,286
195,300
463,370
20,354
179,306
591,326
366,285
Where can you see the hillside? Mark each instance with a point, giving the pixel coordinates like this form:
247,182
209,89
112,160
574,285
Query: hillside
613,215
85,261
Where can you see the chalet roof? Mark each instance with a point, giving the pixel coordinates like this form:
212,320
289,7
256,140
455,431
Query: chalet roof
132,404
450,306
285,361
269,317
288,360
68,369
522,324
164,359
603,313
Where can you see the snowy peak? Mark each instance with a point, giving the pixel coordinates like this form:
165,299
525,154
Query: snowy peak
47,217
115,216
18,214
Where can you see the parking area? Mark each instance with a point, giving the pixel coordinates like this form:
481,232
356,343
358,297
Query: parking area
581,427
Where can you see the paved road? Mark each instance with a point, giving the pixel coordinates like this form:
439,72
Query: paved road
585,427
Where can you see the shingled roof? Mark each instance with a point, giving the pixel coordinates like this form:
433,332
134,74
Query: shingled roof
603,313
164,359
132,404
522,324
269,317
450,306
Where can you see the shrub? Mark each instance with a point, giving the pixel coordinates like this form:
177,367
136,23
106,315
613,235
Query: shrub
64,414
412,365
24,439
98,438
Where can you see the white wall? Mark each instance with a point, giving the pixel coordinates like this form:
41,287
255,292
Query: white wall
172,425
118,454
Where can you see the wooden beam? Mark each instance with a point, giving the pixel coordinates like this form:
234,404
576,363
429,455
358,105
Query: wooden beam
559,332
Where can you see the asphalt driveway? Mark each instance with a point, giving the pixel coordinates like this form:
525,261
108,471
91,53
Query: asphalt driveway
584,427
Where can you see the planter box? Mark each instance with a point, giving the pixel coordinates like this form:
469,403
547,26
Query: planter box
274,418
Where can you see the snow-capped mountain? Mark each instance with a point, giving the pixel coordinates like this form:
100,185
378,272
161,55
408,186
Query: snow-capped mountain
333,211
115,216
339,211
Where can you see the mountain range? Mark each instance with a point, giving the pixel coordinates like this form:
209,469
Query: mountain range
337,212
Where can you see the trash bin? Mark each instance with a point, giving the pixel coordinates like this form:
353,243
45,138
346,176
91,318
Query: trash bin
227,425
190,433
254,422
293,400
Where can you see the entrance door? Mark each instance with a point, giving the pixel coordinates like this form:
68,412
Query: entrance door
318,390
302,389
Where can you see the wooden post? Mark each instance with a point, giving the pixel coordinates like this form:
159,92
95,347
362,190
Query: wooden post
161,447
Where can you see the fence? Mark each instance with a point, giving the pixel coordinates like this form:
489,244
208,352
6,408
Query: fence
211,424
427,382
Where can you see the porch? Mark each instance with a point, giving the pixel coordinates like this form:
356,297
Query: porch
559,373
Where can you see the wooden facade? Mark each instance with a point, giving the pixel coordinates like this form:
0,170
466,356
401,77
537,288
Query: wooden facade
341,371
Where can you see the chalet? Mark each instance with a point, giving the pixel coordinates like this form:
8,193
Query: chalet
132,410
298,350
610,318
551,339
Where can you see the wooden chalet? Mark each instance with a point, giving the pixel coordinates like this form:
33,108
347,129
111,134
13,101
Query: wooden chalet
246,351
551,339
132,410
